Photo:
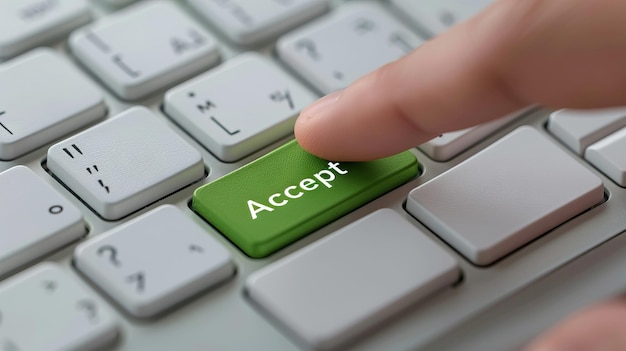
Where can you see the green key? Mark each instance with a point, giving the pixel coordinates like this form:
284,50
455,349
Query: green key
289,193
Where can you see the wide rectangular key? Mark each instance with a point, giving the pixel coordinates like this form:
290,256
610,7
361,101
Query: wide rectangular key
344,284
239,107
578,129
155,261
505,196
34,218
47,309
288,193
125,163
335,50
436,16
144,48
26,24
35,109
252,22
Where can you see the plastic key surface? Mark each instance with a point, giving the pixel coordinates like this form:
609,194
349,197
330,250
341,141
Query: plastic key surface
288,193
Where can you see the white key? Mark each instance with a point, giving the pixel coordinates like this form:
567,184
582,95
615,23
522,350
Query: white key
312,292
608,156
125,163
239,107
448,145
35,218
46,309
334,51
519,188
436,16
144,48
154,261
251,22
25,24
43,98
578,129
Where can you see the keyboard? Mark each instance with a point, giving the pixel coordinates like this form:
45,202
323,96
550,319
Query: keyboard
152,196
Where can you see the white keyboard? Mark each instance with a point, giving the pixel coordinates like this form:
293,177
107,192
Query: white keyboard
117,117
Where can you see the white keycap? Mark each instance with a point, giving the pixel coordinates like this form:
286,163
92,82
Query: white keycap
508,194
334,51
580,128
340,286
154,261
448,145
125,163
144,48
239,107
46,309
25,24
251,22
436,16
609,156
35,219
42,97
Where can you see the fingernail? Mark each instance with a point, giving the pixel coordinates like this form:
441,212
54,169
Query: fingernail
321,104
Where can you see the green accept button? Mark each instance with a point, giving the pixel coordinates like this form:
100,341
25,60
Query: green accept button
289,193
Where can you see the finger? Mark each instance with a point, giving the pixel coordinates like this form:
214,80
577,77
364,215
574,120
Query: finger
558,53
598,328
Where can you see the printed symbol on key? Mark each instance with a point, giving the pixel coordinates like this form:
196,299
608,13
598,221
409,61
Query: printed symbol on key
279,96
92,171
447,18
181,45
205,106
196,248
4,126
364,25
50,285
75,148
400,42
112,254
309,47
90,309
117,59
138,278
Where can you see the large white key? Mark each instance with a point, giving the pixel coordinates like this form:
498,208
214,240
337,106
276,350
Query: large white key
580,128
436,16
35,219
334,51
154,261
251,22
609,156
340,286
508,194
125,163
25,24
449,145
42,97
239,107
144,48
46,309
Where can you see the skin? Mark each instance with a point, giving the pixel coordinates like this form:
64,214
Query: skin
515,54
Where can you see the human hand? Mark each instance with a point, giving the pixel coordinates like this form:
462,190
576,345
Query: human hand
557,53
